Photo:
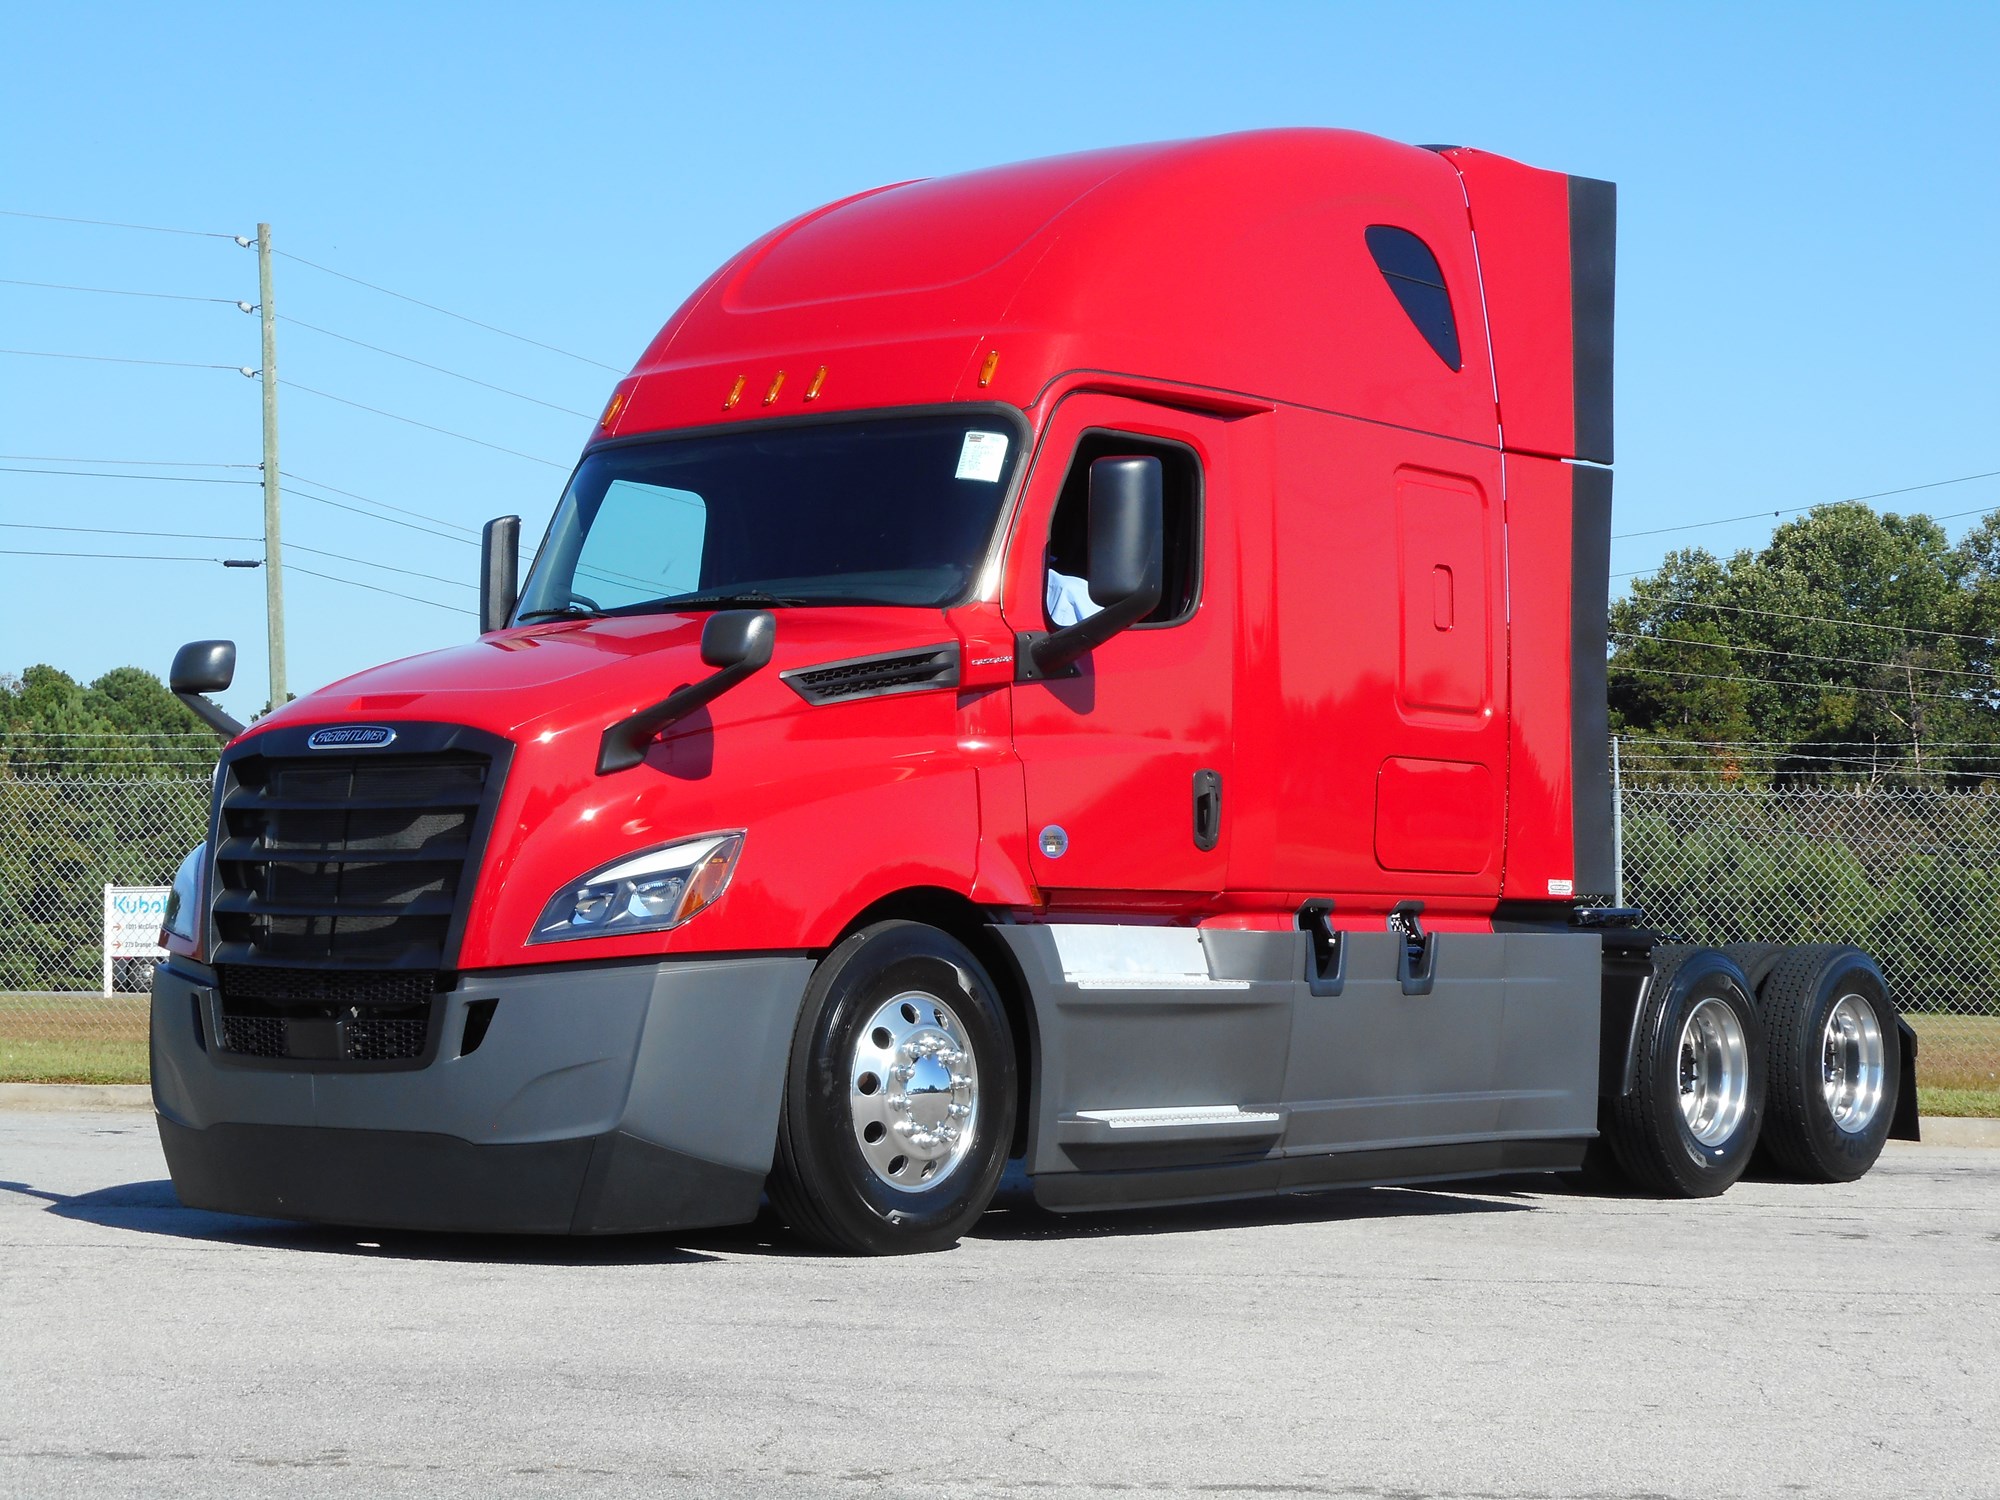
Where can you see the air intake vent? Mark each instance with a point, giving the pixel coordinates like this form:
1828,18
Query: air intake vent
876,676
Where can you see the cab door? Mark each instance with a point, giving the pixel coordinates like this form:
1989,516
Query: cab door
1128,762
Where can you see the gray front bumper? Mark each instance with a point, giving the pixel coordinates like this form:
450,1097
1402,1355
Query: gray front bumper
603,1097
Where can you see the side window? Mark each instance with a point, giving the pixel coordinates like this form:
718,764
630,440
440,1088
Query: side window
1407,264
1069,528
644,542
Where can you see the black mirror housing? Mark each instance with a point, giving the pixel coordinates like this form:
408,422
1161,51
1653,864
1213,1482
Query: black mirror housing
738,638
1127,529
205,667
499,573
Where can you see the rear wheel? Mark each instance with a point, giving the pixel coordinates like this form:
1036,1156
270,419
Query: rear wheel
899,1101
1689,1126
1835,1064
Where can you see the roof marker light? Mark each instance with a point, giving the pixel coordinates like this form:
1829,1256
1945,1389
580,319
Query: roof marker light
986,370
735,395
812,391
611,409
776,386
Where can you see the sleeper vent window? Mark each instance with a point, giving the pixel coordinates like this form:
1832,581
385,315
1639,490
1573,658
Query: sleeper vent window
1407,264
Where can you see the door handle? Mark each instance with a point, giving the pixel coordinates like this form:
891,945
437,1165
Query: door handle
1207,809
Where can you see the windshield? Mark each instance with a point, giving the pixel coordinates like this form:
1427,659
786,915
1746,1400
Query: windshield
883,511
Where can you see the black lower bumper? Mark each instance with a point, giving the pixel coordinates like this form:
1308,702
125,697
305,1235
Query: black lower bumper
395,1179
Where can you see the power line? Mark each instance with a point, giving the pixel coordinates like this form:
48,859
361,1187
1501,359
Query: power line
440,369
112,291
1843,661
178,536
151,478
428,427
205,234
138,463
366,562
447,312
470,531
1779,614
1758,515
377,589
120,359
1833,687
112,556
371,515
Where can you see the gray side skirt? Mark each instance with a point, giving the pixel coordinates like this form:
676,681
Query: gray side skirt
1162,1087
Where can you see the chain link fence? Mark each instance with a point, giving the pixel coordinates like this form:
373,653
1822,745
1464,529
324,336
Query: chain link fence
1912,876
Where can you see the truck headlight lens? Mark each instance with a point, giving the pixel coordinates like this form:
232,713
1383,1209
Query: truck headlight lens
183,912
647,892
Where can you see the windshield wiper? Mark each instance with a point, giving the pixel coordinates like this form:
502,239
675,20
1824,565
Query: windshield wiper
562,612
729,599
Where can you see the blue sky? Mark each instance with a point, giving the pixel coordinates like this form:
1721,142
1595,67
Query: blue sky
1808,307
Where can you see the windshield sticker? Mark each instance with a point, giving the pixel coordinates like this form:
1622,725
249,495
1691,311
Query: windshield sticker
982,456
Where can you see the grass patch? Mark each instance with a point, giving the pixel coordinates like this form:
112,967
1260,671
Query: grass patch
1958,1055
73,1038
1964,1104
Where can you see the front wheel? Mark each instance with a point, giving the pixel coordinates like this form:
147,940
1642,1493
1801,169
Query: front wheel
1689,1126
899,1100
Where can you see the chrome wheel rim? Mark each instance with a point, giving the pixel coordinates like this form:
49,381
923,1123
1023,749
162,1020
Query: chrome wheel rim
913,1092
1852,1063
1714,1072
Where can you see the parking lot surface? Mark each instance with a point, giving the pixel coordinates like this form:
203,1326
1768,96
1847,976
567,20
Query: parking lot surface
1493,1339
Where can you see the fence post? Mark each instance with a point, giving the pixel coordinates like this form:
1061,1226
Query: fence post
104,938
1617,829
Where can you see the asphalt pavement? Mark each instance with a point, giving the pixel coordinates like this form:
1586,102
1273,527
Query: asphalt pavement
1500,1339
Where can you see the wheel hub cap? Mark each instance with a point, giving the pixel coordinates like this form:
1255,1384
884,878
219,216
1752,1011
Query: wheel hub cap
1852,1064
1714,1072
913,1091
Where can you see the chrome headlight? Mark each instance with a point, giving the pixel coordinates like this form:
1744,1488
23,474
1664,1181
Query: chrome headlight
183,914
647,892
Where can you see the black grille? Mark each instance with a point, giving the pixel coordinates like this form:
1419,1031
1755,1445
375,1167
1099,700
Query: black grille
868,676
345,859
326,1015
254,1036
338,987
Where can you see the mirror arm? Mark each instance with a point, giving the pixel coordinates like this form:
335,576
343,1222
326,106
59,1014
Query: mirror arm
1039,655
624,743
211,714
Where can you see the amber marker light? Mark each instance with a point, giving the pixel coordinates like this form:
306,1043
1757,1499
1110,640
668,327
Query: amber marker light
611,409
776,386
735,395
986,370
812,391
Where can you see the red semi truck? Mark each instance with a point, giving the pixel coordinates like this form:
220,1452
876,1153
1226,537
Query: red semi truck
1098,662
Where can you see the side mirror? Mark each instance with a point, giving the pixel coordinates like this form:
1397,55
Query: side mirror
499,573
736,642
205,667
1127,530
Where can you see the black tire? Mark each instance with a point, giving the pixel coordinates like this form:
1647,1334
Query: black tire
1756,960
1802,1138
1649,1132
822,1184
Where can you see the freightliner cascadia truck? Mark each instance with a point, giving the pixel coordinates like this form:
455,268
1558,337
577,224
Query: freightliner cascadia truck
1098,662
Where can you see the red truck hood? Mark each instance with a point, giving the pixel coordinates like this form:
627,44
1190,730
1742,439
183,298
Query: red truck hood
570,672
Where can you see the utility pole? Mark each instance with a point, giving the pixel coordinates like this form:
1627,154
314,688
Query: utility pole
1617,828
274,556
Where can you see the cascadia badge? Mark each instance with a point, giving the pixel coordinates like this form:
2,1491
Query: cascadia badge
351,737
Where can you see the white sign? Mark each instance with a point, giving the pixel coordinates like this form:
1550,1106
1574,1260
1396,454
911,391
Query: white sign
132,917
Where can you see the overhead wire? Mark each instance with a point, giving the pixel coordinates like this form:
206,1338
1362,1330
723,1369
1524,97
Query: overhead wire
1759,515
377,588
154,478
412,421
1844,661
140,463
112,291
1779,614
123,359
426,364
447,312
205,234
1834,687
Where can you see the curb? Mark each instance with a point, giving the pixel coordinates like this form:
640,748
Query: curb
50,1098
